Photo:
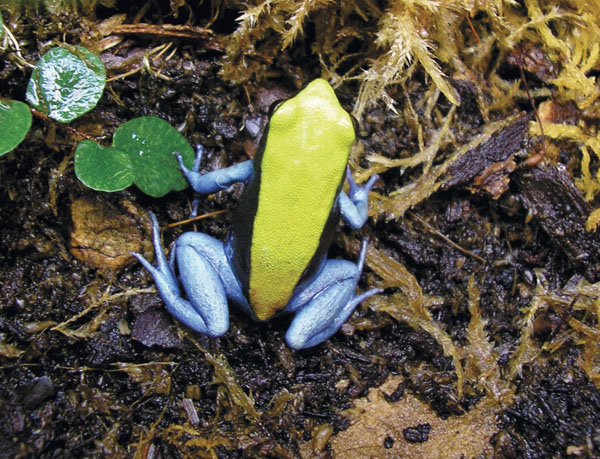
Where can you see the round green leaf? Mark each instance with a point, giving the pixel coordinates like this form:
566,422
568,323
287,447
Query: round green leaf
102,168
15,121
66,83
150,143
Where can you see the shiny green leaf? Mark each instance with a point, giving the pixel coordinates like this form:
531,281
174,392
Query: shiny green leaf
66,83
15,121
102,168
150,143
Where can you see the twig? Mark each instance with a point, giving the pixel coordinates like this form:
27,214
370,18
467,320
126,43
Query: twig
199,217
64,126
445,238
473,29
170,31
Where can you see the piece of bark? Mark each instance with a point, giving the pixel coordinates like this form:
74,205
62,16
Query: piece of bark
490,158
550,195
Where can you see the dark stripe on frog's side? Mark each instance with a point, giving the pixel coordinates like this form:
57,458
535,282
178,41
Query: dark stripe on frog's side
243,218
326,237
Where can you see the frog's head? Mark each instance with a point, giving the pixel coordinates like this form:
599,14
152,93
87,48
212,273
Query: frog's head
315,119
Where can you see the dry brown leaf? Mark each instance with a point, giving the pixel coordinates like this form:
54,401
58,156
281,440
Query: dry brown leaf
104,236
455,437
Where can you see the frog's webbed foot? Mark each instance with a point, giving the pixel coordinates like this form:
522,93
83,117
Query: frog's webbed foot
327,302
192,175
163,270
214,181
359,193
197,161
354,205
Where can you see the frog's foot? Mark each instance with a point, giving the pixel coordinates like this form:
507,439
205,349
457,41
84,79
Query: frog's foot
192,173
162,271
354,206
213,322
326,303
359,193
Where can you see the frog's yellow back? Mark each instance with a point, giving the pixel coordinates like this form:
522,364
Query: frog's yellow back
298,175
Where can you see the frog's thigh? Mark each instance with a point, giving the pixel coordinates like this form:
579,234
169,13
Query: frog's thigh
324,305
207,279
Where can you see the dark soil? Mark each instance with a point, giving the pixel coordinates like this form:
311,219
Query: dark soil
119,379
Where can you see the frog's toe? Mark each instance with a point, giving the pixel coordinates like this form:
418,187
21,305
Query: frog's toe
198,159
371,182
145,263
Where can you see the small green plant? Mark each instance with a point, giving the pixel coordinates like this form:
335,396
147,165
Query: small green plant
66,83
102,168
15,121
141,153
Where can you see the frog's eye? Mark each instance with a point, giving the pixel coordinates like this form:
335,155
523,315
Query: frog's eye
274,106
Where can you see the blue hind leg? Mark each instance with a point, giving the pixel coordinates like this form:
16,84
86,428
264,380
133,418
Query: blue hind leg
206,278
326,303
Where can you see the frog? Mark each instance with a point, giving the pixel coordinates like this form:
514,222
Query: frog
274,259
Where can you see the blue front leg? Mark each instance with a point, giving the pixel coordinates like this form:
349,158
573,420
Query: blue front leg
216,180
354,206
213,181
